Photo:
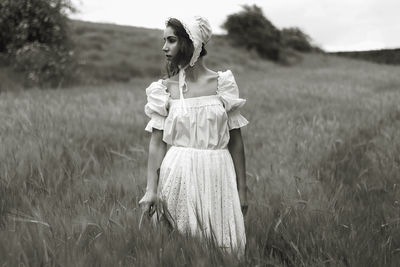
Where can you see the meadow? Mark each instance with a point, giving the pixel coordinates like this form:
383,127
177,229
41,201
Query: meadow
323,169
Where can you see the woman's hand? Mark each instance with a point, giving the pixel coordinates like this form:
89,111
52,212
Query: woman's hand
243,200
148,203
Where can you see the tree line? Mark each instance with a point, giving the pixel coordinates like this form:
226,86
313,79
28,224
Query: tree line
250,28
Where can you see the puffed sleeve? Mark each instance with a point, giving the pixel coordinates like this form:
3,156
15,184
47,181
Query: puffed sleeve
157,105
229,93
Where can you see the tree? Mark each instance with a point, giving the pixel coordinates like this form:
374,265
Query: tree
35,35
28,21
249,28
296,39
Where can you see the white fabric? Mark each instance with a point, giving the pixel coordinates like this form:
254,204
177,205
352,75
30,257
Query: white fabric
202,111
199,31
182,83
156,107
197,174
199,188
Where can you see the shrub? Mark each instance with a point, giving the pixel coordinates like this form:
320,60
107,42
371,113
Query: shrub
44,66
296,39
251,29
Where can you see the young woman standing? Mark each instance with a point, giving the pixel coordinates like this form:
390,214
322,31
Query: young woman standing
201,178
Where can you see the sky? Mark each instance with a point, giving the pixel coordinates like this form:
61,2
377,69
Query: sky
334,25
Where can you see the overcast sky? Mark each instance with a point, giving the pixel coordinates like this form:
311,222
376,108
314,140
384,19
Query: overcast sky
334,25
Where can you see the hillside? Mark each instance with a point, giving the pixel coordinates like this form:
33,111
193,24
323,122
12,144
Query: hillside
120,53
383,56
109,53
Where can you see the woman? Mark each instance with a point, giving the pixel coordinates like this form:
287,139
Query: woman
202,178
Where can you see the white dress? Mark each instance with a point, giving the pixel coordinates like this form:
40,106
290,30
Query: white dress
197,176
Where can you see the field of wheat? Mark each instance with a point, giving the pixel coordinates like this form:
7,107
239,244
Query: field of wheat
323,170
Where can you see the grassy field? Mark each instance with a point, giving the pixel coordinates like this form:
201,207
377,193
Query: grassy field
323,166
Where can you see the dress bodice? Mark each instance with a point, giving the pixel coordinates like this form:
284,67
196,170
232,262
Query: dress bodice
206,122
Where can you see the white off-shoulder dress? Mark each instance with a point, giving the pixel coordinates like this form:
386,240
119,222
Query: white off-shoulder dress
197,175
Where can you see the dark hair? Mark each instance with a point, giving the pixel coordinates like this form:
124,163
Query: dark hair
186,48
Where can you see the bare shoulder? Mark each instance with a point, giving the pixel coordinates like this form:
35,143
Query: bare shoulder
170,82
174,78
211,75
164,83
212,72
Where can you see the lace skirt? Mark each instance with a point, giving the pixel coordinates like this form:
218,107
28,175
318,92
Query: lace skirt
198,188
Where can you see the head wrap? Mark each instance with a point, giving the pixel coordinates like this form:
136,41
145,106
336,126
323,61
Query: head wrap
199,31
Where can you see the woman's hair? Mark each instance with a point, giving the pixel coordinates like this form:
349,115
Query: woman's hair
186,48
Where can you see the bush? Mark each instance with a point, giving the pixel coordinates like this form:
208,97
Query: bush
34,34
251,29
44,66
296,39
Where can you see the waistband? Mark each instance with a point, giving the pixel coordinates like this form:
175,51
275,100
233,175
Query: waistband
198,149
207,100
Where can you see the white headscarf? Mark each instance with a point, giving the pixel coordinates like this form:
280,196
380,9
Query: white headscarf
199,31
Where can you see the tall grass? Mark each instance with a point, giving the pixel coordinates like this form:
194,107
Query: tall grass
323,159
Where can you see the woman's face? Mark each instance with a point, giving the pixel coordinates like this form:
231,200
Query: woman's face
170,47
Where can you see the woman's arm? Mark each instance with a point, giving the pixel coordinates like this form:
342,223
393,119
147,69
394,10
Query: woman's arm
157,150
236,148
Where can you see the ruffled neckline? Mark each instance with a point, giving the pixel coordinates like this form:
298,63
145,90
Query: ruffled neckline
195,98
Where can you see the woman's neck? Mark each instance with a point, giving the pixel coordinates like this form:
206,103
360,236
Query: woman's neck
199,68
